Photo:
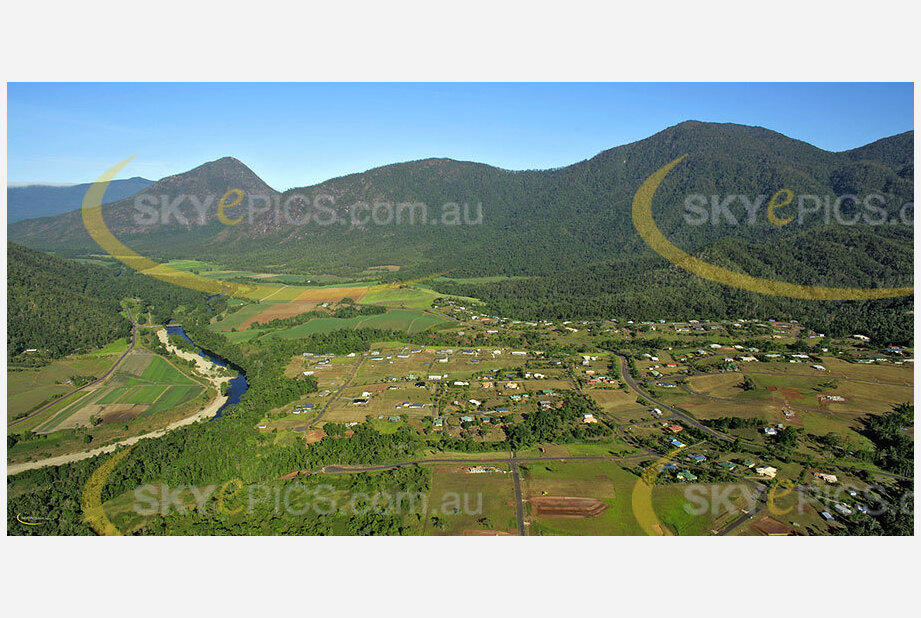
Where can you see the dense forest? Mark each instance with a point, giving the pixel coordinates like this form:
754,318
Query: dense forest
646,287
58,306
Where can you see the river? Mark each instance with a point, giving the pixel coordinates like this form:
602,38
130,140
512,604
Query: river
237,386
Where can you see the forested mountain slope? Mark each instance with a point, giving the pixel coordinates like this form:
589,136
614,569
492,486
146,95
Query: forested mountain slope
60,307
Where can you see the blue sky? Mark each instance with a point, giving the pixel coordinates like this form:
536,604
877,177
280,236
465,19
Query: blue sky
298,134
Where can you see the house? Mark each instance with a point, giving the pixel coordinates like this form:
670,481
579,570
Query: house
676,443
748,463
770,431
686,475
394,419
819,368
309,373
831,479
727,465
675,428
360,401
487,384
666,384
844,509
768,471
512,386
501,410
466,419
827,516
438,422
519,353
656,412
588,417
697,458
461,383
475,402
434,377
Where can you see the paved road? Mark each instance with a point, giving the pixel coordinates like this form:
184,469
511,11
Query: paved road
339,469
134,332
689,420
335,395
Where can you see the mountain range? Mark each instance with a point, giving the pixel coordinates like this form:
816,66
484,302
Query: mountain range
567,229
44,200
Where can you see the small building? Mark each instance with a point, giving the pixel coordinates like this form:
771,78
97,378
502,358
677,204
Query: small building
767,471
831,479
844,509
466,419
677,444
588,417
686,475
675,428
697,458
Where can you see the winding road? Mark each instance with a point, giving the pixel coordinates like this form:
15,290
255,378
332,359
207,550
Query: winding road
689,420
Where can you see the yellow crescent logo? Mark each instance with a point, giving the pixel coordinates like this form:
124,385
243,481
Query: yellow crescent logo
28,523
642,498
644,224
93,511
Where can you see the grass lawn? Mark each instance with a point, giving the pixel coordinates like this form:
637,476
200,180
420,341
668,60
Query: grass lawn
461,501
604,480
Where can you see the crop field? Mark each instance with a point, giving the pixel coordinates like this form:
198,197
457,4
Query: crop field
144,384
412,297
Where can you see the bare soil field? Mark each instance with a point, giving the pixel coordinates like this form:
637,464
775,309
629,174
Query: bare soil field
567,507
277,311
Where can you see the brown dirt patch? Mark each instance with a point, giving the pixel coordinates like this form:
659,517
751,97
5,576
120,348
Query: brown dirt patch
769,526
279,311
119,413
486,533
312,437
332,295
568,507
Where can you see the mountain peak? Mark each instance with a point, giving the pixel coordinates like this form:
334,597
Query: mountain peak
215,176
